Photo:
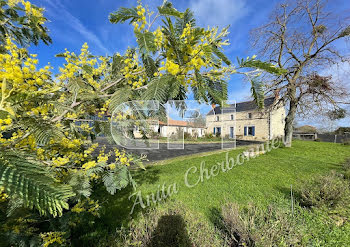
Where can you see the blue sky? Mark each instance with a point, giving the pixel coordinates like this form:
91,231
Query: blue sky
74,22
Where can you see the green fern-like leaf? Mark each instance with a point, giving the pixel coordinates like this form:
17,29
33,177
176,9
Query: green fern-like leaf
257,90
220,54
199,89
188,18
33,183
158,88
146,42
124,14
268,67
119,97
149,65
117,64
117,179
80,184
216,90
45,133
167,9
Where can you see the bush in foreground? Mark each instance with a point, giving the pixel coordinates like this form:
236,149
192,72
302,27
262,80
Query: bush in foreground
329,190
253,226
170,225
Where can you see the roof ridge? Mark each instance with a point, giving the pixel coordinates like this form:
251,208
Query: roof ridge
253,100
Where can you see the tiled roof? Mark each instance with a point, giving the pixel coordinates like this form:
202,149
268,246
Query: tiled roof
242,106
172,122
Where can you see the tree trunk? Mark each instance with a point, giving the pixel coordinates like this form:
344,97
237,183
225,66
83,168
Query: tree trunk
288,128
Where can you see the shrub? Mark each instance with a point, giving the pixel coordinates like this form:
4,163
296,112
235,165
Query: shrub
187,136
237,228
317,140
328,190
253,226
154,134
170,225
209,135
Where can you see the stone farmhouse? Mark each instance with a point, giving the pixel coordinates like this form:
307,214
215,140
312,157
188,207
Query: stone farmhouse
244,121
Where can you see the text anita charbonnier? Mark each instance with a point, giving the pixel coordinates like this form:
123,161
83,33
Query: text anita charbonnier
201,174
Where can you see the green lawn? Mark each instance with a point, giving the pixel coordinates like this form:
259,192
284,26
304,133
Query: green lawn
261,180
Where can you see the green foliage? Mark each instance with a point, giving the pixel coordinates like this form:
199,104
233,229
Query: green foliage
80,184
171,224
45,132
257,90
146,42
220,54
268,67
216,90
20,227
23,28
325,191
117,65
210,91
123,14
188,18
209,86
346,168
167,9
117,179
34,184
254,226
191,57
150,65
260,183
160,88
119,97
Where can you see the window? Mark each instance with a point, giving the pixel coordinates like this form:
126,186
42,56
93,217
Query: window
249,130
217,130
217,118
231,117
250,115
231,132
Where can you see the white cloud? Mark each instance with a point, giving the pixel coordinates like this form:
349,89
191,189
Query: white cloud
218,12
58,11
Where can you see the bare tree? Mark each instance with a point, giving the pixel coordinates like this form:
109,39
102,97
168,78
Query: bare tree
301,37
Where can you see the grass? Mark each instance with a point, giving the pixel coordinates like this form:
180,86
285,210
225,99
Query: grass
265,178
261,180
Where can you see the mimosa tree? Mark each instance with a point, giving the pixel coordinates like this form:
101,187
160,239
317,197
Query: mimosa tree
46,156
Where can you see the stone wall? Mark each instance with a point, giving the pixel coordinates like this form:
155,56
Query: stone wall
259,119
